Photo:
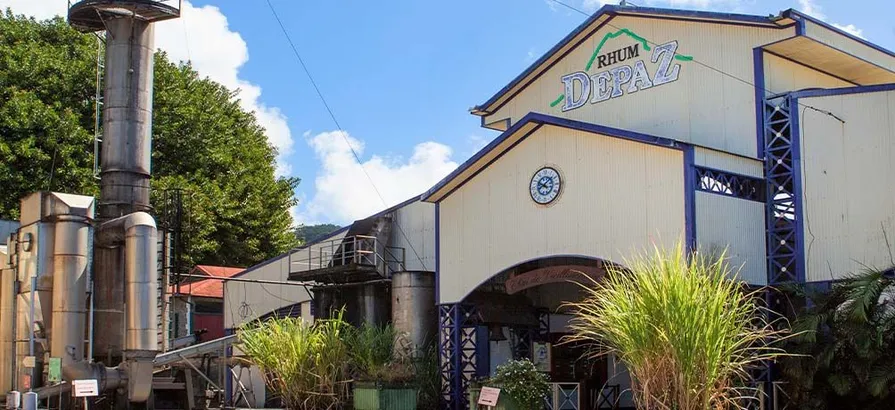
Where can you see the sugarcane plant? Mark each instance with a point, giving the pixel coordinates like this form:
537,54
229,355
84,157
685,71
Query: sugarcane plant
306,364
685,328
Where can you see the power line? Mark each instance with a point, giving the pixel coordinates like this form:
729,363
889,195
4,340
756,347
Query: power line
339,127
694,60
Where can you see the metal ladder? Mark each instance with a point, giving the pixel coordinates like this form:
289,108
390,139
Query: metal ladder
98,103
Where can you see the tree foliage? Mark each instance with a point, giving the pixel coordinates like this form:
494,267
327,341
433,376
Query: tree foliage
310,233
845,342
204,143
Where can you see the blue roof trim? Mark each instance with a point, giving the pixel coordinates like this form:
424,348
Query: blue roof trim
759,87
544,119
612,11
792,12
845,90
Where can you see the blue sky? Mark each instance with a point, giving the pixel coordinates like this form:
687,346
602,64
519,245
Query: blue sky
399,76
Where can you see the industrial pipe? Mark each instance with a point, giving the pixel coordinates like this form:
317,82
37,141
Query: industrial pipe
71,247
141,284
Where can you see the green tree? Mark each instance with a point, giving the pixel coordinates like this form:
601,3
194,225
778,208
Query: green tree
845,346
310,233
203,143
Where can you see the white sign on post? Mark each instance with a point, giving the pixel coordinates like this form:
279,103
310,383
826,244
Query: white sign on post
85,388
488,396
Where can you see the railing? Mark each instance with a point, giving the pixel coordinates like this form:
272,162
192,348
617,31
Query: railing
606,397
563,396
360,250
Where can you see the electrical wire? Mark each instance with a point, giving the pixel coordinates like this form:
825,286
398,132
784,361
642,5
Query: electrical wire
339,127
694,60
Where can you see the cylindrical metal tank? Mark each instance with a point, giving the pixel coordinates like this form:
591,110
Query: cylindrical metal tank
70,288
7,315
413,307
141,281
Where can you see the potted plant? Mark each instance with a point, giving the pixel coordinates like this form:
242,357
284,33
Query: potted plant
384,376
522,386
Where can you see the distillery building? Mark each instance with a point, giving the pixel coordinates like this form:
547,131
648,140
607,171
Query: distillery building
770,137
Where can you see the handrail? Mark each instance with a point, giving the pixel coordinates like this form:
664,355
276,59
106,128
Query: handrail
352,250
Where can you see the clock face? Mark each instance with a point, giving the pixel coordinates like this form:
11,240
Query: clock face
545,185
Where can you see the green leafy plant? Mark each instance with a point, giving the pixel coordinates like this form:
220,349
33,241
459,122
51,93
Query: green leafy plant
522,381
427,377
844,346
687,331
306,364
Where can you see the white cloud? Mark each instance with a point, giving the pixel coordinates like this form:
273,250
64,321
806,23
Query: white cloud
592,5
342,193
201,35
39,9
811,8
850,29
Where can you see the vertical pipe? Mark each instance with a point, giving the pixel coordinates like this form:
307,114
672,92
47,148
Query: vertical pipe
31,317
7,320
70,289
141,282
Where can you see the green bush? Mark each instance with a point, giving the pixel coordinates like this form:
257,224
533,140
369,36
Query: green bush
522,381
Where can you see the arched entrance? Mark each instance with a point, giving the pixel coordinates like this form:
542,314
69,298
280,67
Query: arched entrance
520,313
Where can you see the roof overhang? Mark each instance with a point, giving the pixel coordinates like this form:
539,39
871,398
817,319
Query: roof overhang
603,17
526,126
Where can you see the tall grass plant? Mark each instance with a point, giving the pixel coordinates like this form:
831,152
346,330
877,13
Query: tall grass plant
687,331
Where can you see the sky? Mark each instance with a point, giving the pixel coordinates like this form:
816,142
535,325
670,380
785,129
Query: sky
399,77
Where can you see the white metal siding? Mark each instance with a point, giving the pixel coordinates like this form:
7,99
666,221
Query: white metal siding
244,302
618,196
843,43
727,162
849,197
737,225
415,233
703,106
781,75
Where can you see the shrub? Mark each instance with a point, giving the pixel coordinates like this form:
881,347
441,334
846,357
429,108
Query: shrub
523,382
687,332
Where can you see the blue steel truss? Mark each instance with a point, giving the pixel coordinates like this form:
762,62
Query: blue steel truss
728,184
784,197
457,353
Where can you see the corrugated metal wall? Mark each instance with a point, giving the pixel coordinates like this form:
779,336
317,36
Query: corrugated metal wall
244,302
417,221
849,197
618,196
728,162
703,106
737,225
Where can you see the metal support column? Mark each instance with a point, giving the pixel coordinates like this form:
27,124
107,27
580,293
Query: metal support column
457,353
783,215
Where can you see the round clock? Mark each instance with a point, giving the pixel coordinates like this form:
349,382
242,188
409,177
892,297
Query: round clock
545,185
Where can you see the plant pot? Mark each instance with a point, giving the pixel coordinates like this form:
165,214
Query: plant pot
504,401
375,396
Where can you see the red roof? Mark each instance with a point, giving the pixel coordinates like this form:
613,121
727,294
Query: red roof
208,288
217,271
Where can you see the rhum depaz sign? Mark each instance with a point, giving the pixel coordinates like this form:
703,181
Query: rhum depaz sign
621,71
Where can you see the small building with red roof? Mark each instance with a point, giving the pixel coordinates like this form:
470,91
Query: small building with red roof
197,305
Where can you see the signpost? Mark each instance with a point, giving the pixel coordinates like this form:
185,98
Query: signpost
85,388
488,396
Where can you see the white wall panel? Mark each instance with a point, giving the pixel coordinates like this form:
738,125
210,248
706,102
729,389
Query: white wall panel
737,225
618,196
782,75
727,162
849,197
415,233
703,106
244,302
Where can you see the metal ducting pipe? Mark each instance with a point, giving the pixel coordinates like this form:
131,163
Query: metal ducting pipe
70,251
141,284
139,233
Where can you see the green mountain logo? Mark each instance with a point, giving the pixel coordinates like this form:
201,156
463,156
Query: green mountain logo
607,37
